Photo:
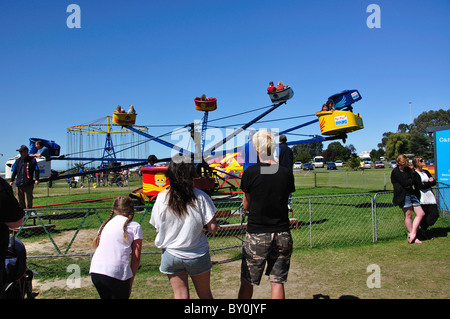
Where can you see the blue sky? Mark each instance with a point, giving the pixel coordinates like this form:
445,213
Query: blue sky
160,55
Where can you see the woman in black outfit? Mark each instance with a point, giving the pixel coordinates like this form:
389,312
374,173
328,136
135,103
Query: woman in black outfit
423,181
405,197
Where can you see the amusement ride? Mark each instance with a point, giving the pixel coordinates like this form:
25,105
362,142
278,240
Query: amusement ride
216,168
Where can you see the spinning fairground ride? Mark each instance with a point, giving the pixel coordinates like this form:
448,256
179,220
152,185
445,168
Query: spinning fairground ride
219,169
104,141
100,145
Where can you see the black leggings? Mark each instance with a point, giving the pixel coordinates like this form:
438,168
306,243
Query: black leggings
431,215
111,288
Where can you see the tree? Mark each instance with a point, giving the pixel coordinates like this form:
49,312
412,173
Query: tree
414,138
313,149
336,151
420,144
354,163
376,154
351,149
431,119
420,141
303,157
403,128
397,143
384,140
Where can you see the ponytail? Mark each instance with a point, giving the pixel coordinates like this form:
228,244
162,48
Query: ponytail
123,205
96,240
129,219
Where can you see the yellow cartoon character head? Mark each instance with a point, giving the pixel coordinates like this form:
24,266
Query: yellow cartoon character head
160,179
159,183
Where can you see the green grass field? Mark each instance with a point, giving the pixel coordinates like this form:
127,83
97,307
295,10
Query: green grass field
407,272
367,180
336,266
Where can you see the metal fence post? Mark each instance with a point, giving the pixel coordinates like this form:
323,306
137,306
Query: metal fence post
310,224
374,219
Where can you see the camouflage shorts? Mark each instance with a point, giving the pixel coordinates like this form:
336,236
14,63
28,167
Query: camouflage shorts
273,248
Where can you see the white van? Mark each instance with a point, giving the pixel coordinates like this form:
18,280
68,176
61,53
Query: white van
318,161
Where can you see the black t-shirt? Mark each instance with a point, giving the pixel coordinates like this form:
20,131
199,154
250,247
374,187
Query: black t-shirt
269,194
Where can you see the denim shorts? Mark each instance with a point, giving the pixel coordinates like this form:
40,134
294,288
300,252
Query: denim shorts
411,201
196,266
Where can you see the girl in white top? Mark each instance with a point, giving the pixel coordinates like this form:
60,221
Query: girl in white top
179,216
118,237
423,181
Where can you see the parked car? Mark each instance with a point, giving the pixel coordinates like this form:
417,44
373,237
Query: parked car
298,165
339,163
379,164
331,165
308,167
392,164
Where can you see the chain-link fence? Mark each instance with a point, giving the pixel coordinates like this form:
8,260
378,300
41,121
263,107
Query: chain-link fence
389,217
370,179
319,221
89,184
332,220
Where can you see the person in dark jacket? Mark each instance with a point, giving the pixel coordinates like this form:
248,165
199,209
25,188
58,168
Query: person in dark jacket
286,159
405,197
11,217
23,170
285,156
423,181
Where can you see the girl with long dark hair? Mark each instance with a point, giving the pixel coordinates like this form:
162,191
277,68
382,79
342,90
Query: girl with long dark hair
180,215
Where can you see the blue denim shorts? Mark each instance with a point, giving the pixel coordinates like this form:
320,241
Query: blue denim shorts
411,201
172,265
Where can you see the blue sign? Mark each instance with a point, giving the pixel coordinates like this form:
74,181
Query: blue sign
442,145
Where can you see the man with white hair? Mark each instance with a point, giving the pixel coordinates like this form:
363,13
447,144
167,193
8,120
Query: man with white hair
266,186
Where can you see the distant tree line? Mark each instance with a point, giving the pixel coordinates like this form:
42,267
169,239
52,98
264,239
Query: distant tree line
409,139
414,138
335,151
